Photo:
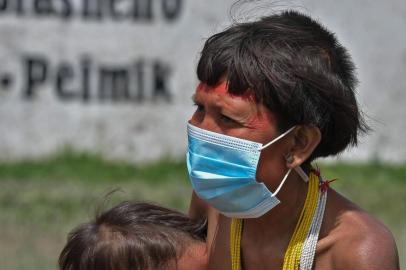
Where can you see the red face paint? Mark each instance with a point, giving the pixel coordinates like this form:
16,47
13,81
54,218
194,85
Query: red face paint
222,88
240,108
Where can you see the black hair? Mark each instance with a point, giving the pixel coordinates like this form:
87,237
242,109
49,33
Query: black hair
296,68
131,235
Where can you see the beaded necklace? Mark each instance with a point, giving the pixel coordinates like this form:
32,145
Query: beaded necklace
302,245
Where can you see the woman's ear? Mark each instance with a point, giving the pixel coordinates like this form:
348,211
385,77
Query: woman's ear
305,140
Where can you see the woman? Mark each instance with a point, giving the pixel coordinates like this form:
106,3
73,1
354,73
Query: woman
274,95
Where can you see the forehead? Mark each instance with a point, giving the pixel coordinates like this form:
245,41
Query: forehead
222,89
219,97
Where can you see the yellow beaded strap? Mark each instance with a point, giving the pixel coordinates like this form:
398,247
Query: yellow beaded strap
295,247
235,243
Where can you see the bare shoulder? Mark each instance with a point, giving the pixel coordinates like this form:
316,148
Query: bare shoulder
357,239
366,244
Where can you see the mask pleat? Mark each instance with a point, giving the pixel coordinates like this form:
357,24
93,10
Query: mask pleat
219,167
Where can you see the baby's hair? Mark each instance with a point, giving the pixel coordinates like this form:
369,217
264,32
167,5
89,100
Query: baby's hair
131,235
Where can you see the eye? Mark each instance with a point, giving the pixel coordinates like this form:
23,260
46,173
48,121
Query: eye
199,107
227,120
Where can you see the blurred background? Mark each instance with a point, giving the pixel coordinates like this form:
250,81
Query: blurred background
95,95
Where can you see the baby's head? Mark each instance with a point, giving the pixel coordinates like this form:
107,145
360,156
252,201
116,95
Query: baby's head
136,236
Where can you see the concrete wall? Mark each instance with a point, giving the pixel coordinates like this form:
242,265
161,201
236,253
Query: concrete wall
117,78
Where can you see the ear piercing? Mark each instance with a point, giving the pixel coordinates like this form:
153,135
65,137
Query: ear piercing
289,158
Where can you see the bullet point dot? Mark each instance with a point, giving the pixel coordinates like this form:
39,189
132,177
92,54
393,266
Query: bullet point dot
5,81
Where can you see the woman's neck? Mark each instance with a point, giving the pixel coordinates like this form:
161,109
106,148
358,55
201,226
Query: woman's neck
283,218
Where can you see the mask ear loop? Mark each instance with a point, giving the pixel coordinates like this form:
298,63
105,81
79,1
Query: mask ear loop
277,138
301,173
281,184
299,170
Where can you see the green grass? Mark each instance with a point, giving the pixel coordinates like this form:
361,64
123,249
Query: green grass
90,168
42,200
378,188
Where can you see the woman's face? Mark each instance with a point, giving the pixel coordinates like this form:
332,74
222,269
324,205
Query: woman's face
220,112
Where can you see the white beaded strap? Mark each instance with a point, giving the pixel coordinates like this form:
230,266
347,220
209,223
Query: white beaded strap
309,247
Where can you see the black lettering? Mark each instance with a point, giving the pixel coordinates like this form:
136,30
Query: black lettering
11,6
92,9
114,84
85,64
96,10
115,13
64,76
20,7
139,75
35,74
141,81
142,10
160,79
43,7
6,80
171,9
66,10
3,5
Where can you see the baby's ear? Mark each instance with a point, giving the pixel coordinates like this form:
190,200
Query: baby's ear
306,139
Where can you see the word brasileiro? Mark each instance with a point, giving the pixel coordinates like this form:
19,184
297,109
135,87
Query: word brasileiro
95,10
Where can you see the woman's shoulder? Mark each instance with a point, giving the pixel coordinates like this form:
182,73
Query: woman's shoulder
354,239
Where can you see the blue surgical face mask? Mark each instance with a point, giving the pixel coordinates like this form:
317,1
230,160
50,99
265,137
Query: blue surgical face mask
222,170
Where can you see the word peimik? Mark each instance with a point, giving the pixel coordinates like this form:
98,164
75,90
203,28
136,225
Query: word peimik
140,81
96,10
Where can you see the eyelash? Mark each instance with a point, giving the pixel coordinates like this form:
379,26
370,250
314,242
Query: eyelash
199,108
224,118
227,119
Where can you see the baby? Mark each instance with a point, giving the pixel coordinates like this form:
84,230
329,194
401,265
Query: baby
136,236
